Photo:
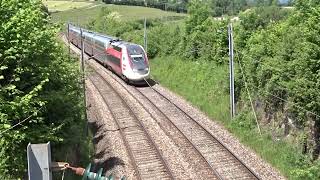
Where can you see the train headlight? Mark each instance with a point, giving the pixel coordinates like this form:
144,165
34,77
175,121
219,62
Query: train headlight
146,69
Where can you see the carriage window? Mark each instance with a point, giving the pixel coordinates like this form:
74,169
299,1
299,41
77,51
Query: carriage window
99,43
117,48
88,38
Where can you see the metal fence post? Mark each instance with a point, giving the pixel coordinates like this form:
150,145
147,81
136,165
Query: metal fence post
82,50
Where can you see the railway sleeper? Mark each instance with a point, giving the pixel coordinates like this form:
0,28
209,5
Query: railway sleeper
146,152
148,159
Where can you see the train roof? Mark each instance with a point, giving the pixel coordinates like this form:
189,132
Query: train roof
96,36
100,37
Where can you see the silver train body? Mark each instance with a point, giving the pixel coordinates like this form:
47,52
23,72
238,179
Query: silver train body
126,59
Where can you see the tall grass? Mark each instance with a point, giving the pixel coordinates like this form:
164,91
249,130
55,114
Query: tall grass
279,153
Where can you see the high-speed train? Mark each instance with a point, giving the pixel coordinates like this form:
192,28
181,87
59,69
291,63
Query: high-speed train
128,60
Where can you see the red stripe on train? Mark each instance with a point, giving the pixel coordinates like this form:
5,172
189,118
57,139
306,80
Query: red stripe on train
114,53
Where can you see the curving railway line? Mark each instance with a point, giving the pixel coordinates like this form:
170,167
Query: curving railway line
202,149
194,157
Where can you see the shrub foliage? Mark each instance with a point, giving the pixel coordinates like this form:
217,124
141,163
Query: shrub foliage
37,84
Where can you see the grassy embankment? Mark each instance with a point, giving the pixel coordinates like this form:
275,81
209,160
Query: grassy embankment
55,6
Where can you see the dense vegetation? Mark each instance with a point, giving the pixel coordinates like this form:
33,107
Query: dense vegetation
282,65
40,97
278,50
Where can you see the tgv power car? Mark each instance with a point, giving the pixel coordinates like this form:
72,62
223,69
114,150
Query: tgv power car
126,59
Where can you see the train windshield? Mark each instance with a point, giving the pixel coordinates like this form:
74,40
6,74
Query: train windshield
137,56
136,53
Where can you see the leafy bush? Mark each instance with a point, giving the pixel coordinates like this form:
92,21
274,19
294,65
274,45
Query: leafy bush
307,170
255,19
205,38
37,84
208,41
110,23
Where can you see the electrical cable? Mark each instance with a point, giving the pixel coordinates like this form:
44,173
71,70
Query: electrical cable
19,123
247,89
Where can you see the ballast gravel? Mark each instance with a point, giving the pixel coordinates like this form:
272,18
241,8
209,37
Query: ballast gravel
109,150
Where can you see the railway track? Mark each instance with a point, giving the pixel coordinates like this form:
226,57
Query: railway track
202,167
205,146
211,154
144,154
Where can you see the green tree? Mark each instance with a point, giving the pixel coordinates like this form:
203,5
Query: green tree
198,13
256,19
205,38
38,86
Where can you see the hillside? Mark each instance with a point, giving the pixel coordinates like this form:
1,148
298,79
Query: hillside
83,12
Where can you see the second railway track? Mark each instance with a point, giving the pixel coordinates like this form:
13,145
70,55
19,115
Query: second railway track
216,153
144,154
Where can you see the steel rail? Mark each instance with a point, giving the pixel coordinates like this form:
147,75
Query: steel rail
164,162
205,129
128,148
